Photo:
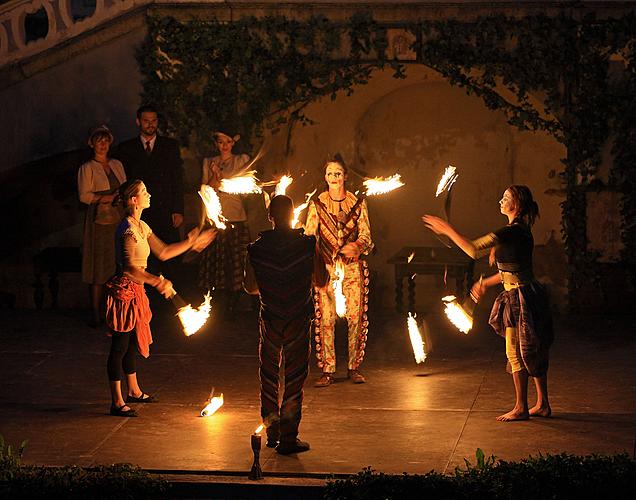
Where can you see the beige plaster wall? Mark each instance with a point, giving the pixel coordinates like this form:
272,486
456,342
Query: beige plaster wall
417,127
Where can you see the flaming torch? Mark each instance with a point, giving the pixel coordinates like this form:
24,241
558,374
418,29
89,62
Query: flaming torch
460,315
283,184
215,403
299,209
256,473
241,184
445,184
212,206
341,302
382,185
416,340
193,319
448,179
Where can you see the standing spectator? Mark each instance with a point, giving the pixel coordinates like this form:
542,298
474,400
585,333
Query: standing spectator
340,221
222,265
280,268
97,184
156,161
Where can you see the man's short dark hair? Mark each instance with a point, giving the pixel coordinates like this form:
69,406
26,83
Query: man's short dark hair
281,208
146,108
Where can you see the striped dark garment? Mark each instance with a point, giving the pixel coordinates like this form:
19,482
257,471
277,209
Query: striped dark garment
283,266
527,309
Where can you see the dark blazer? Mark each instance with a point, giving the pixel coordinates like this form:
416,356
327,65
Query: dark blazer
162,173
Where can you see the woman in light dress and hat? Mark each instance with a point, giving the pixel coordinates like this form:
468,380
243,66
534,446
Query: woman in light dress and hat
97,183
222,264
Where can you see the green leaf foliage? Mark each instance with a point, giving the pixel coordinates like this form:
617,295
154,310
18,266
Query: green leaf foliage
552,476
573,77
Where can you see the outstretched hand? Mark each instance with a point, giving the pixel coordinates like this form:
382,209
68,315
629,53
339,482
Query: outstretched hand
201,239
435,224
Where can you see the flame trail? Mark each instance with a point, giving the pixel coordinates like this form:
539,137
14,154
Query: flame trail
193,319
215,403
448,179
212,206
457,315
241,184
283,184
341,302
416,340
382,185
298,210
410,257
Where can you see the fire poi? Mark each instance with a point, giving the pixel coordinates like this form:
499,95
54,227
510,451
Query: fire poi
193,319
341,301
242,184
416,340
382,185
283,184
215,403
448,179
299,209
212,206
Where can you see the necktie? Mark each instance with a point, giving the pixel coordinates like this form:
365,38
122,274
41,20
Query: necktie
148,148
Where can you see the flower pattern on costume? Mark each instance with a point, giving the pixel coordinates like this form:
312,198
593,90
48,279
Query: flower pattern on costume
337,223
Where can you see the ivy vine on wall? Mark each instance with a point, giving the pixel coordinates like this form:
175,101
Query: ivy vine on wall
556,74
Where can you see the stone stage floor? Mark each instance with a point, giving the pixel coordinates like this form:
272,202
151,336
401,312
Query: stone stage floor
407,418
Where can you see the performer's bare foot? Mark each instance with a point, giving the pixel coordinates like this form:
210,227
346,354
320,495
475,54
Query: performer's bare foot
513,415
541,411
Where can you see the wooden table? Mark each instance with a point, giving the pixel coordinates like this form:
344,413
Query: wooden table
430,260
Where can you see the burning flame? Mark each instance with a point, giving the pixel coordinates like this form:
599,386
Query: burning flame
448,179
212,206
410,257
299,209
193,319
215,403
341,302
242,184
283,184
416,340
259,429
457,315
382,185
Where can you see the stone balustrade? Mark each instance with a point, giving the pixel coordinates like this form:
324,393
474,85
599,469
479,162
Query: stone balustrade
57,21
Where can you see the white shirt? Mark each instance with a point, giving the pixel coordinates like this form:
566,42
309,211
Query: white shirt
91,179
151,141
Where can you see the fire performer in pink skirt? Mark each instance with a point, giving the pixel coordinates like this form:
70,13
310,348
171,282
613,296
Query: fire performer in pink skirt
521,313
282,266
341,223
128,312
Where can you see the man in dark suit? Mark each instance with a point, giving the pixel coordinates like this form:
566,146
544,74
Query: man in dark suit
156,160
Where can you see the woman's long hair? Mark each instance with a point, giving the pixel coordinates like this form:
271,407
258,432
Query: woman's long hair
127,190
527,208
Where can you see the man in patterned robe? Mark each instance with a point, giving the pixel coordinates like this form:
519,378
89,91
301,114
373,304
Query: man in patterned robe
340,221
282,267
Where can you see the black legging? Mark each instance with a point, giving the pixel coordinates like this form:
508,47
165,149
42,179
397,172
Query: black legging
123,354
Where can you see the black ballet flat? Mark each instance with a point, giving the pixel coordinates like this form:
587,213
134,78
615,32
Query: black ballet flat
145,398
120,412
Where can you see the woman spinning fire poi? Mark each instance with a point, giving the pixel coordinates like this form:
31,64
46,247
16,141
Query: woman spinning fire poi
521,312
127,309
340,221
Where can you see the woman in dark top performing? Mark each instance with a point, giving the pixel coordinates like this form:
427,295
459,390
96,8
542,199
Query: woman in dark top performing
521,312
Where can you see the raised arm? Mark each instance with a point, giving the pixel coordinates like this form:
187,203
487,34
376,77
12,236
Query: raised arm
473,248
197,240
